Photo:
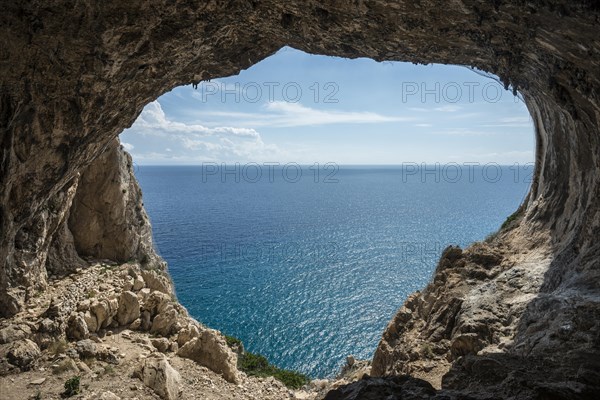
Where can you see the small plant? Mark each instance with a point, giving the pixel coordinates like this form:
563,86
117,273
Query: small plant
109,370
38,396
57,347
257,365
513,217
72,386
427,351
233,342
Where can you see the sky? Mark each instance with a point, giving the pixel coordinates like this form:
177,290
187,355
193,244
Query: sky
303,108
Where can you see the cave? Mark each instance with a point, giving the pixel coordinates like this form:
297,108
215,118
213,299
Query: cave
74,76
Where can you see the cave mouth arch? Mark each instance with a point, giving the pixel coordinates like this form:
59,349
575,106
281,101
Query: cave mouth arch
64,100
187,250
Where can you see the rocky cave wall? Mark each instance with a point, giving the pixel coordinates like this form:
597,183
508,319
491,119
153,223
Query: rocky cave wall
75,75
107,218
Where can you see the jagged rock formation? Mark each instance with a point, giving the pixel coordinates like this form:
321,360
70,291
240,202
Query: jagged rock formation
104,324
75,75
121,231
486,323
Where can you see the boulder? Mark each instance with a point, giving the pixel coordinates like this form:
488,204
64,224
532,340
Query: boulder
135,325
108,355
77,328
174,347
158,375
66,365
157,281
210,350
86,348
127,284
91,321
144,293
161,344
104,310
350,360
23,353
164,322
14,332
187,333
156,302
138,283
129,308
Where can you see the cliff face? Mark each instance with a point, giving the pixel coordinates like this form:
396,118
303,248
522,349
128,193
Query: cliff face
75,75
107,218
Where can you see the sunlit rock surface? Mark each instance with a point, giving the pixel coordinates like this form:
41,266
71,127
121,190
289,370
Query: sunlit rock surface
74,75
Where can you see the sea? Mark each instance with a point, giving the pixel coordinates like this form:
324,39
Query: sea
307,264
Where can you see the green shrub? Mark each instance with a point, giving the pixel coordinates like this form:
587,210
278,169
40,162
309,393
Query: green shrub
291,379
72,386
233,342
254,364
513,217
427,350
257,365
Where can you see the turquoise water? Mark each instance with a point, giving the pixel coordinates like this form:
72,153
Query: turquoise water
308,272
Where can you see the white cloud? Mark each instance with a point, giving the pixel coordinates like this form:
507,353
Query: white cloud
153,121
448,108
281,114
463,132
193,143
127,146
512,122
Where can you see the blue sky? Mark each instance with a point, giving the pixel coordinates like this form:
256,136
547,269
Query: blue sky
297,107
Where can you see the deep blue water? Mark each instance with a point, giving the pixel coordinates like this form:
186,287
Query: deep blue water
309,272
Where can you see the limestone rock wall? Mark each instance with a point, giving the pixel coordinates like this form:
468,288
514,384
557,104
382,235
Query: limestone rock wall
74,75
107,218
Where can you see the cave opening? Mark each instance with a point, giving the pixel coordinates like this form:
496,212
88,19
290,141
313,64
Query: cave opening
244,179
524,308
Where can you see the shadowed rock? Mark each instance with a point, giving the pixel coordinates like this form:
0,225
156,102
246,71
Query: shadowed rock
75,75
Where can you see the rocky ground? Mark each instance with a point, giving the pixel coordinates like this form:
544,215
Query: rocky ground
119,329
471,306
